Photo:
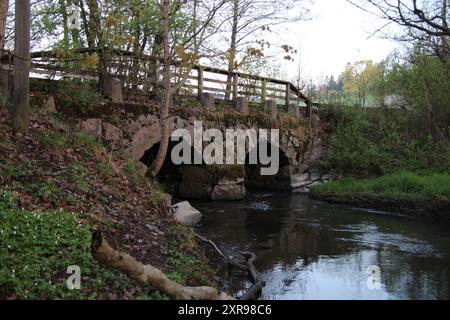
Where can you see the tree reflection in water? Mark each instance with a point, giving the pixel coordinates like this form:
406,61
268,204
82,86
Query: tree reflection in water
312,250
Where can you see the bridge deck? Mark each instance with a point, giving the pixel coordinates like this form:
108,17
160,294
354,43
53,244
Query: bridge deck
143,74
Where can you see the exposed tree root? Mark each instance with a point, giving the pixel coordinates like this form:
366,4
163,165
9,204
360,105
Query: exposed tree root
255,291
147,274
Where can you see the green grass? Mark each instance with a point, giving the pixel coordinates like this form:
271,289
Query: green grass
187,269
53,140
402,185
87,141
3,102
79,174
14,172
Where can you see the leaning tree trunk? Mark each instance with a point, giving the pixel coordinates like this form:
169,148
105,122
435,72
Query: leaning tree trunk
21,90
164,113
147,274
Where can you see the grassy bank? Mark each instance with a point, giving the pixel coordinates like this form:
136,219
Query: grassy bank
58,185
421,194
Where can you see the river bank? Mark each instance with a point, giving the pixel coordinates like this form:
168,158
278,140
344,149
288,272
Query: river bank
422,195
57,186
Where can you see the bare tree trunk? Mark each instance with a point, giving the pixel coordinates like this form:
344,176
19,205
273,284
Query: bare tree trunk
63,10
232,51
167,94
445,51
75,33
95,27
4,83
21,90
3,15
86,26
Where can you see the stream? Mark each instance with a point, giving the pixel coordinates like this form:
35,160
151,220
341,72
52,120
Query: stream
312,250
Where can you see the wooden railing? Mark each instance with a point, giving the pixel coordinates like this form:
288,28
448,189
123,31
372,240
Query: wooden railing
143,74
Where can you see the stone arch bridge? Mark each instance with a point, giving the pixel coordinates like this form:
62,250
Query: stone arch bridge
132,83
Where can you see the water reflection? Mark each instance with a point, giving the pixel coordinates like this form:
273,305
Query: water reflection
311,250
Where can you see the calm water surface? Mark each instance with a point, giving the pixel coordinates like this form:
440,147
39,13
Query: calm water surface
312,250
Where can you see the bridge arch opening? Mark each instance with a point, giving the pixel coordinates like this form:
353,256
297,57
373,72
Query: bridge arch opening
201,181
279,181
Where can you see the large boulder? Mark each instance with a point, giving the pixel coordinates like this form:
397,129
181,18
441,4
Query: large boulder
228,192
112,135
144,139
131,126
185,214
91,126
148,120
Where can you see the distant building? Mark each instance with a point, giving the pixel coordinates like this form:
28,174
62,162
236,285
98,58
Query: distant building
397,102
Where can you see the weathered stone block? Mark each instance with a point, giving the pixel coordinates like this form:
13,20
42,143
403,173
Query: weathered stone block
228,192
294,110
271,107
208,101
112,88
241,104
300,178
144,139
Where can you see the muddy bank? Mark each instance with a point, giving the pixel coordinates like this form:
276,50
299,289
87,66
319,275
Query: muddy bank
435,209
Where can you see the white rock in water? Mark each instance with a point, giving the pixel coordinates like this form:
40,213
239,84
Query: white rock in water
185,214
299,178
301,190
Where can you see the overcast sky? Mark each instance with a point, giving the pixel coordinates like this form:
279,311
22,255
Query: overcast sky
337,34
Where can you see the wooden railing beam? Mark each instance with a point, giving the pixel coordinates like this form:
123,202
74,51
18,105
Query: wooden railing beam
121,64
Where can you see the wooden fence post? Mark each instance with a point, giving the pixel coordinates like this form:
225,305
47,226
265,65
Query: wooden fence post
263,91
200,82
288,93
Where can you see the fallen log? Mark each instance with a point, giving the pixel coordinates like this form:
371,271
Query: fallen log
147,274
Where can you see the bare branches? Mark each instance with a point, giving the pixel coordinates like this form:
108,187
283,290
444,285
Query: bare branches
426,22
428,16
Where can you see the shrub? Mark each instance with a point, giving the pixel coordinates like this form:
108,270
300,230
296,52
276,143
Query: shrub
80,98
375,142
